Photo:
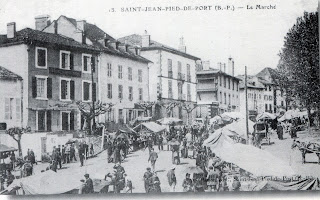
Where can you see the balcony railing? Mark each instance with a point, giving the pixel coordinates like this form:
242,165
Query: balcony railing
208,89
62,72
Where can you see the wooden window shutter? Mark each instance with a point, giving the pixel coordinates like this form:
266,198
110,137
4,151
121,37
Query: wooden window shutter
34,87
49,88
93,64
94,92
49,121
71,62
72,90
72,121
63,89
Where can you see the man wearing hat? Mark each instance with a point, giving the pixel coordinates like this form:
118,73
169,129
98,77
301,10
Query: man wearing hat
172,178
153,158
187,184
146,177
89,184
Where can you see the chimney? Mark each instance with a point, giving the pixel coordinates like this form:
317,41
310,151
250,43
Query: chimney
206,65
145,40
231,66
81,25
182,47
11,30
42,21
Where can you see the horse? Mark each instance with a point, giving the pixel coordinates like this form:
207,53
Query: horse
307,149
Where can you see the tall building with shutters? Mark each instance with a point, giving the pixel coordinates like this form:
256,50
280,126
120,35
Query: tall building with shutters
123,74
57,72
172,77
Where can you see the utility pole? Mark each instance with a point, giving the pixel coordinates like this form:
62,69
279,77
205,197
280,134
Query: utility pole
93,102
247,112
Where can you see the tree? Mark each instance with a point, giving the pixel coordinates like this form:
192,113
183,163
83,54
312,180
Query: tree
146,105
299,61
169,106
16,134
188,108
90,111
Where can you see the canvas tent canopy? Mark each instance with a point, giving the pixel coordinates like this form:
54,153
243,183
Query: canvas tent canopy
266,115
306,184
249,158
149,127
170,120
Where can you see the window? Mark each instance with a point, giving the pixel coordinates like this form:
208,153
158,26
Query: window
41,57
67,121
225,98
270,88
220,79
270,98
8,111
120,116
179,67
130,93
119,71
129,73
109,70
65,89
220,96
120,91
259,96
43,120
270,107
86,63
170,95
140,75
109,90
237,87
188,73
140,94
266,107
229,83
232,85
86,91
188,92
170,73
41,87
64,60
282,104
224,82
229,99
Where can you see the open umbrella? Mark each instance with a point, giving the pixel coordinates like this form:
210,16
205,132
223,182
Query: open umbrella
193,170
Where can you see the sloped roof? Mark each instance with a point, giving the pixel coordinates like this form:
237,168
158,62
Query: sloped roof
136,40
8,75
250,82
94,33
273,73
152,126
215,71
27,35
5,148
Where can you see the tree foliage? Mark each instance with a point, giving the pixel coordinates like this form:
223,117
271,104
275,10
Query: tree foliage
299,61
89,111
16,134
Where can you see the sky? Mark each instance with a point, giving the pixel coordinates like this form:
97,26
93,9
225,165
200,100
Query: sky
253,38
